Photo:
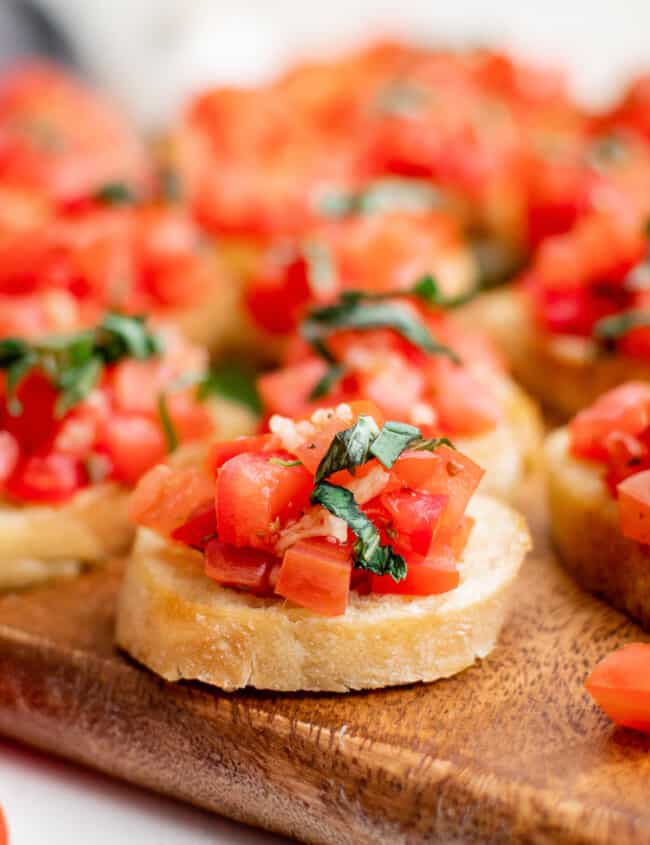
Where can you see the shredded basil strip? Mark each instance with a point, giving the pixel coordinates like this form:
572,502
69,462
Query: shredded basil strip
368,551
324,385
392,440
115,193
428,291
74,363
352,312
431,444
349,448
167,424
611,329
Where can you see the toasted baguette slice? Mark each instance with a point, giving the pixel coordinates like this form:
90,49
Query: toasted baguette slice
41,542
511,451
180,624
586,531
565,374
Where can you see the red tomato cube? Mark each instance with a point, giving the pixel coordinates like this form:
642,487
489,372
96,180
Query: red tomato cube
620,685
315,574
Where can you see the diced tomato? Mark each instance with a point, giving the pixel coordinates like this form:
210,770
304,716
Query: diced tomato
34,422
450,474
277,295
436,573
626,409
9,453
4,831
201,526
461,536
191,419
620,685
464,404
222,452
165,498
248,569
315,574
133,444
312,451
286,391
634,506
415,517
46,478
256,498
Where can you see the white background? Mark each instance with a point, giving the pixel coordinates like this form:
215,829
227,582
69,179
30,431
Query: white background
150,53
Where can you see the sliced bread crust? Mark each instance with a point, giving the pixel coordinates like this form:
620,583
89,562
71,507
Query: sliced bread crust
586,531
181,625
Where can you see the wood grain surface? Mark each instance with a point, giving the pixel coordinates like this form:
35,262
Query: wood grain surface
511,751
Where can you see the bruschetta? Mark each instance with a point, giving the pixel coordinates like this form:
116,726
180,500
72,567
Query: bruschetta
577,323
598,472
366,560
82,417
419,367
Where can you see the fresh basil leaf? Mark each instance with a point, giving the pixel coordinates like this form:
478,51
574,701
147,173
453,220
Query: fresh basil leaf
351,313
392,440
76,383
232,381
12,349
431,444
324,385
167,424
380,197
125,336
369,553
611,329
321,270
115,193
428,291
349,449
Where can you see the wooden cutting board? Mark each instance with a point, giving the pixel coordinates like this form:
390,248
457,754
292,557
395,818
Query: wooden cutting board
511,751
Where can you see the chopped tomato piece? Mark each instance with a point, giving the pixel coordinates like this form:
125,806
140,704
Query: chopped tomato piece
312,451
449,473
46,478
464,404
201,526
414,517
634,506
245,568
436,573
133,444
33,423
315,574
9,453
222,452
276,297
165,498
257,497
626,410
461,536
620,685
286,391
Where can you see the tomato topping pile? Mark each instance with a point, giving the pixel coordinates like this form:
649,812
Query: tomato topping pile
441,392
342,500
620,685
615,432
72,416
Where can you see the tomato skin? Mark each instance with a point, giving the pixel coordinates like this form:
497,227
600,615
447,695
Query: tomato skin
36,425
9,454
286,391
256,497
133,444
244,568
277,296
165,499
463,403
200,527
620,685
626,409
434,574
315,574
445,472
414,516
49,478
634,506
221,452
